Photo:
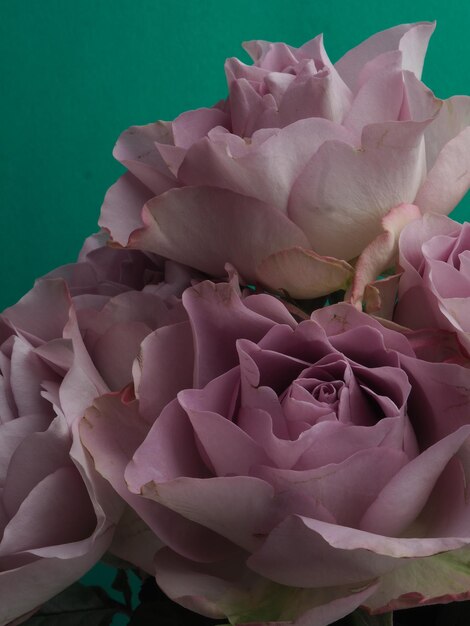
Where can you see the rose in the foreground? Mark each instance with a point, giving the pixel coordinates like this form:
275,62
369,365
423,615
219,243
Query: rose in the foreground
289,178
71,338
434,288
313,467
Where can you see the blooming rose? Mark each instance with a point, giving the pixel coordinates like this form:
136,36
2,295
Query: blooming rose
312,468
434,289
289,178
71,338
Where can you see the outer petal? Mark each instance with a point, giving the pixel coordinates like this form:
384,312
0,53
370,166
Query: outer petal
380,254
122,207
340,555
436,579
411,39
267,171
137,151
219,317
341,219
246,598
111,431
163,367
237,230
234,507
303,273
45,578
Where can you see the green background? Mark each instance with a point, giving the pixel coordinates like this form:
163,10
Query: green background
75,73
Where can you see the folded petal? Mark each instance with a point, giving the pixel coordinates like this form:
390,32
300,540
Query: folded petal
237,230
411,39
342,194
303,273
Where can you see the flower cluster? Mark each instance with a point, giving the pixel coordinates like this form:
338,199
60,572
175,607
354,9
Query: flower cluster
254,384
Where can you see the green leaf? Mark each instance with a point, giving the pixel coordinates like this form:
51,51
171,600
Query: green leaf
77,605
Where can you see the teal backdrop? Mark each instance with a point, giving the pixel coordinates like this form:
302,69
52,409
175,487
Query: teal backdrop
75,73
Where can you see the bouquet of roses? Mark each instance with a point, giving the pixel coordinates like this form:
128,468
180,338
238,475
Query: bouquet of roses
254,384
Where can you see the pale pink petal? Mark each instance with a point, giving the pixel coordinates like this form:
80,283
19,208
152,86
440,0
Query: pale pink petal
237,230
342,219
381,253
411,39
267,171
303,274
192,125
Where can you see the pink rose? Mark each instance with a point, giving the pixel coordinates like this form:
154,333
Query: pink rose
73,337
290,177
312,467
434,289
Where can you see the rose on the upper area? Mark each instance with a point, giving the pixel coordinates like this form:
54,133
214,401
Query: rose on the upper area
310,467
288,179
73,337
434,288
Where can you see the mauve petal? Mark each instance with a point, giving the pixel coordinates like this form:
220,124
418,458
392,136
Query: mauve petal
44,578
334,442
238,230
228,449
268,171
234,507
340,318
218,318
401,501
164,366
27,374
223,589
13,433
303,274
449,395
296,554
134,542
411,39
114,352
306,552
50,451
43,312
345,489
56,511
82,383
112,431
136,150
340,220
122,207
167,452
